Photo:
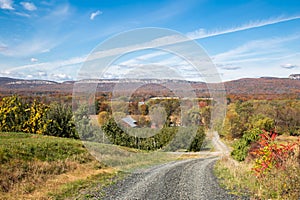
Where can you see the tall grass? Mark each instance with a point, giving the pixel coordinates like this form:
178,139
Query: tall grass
31,164
279,183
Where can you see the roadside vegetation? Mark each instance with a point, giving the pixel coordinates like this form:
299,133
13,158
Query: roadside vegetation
265,158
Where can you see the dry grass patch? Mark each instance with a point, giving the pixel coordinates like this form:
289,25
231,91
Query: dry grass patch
57,184
239,178
39,184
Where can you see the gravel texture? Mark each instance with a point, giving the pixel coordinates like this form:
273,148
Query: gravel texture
187,179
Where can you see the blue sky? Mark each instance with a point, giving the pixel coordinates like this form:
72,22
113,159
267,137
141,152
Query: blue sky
51,39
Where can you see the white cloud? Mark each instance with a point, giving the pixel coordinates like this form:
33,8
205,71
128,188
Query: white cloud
202,33
256,50
95,14
22,14
227,67
44,39
3,47
61,77
6,4
34,60
249,52
49,66
42,73
28,6
289,66
29,47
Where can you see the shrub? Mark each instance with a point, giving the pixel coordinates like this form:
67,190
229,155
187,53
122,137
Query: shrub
242,146
59,121
277,168
270,154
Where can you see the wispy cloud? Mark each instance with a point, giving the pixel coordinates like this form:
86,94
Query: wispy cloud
289,66
174,39
61,70
28,6
95,14
250,51
51,65
6,4
29,47
3,47
22,14
255,50
202,33
34,60
228,67
46,37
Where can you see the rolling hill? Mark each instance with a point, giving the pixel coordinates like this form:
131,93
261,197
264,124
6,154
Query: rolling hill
264,87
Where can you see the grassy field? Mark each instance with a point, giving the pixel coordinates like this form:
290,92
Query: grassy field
44,167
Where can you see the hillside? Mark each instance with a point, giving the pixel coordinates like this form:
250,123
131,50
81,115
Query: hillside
264,88
44,167
260,88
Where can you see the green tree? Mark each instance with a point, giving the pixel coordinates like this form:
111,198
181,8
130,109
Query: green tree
198,140
84,127
59,121
262,122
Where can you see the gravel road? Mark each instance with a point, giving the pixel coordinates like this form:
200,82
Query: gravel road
187,179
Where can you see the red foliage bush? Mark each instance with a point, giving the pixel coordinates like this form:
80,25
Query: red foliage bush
269,154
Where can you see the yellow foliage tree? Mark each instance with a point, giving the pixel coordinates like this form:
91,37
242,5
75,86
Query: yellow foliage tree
103,117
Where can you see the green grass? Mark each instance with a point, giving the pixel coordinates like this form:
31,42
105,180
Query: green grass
28,147
28,163
127,159
235,177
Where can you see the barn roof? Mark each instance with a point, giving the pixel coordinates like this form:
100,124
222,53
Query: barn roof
128,120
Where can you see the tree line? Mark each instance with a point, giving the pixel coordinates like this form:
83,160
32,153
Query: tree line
17,115
57,119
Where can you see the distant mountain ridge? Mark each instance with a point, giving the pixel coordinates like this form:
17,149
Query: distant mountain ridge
250,87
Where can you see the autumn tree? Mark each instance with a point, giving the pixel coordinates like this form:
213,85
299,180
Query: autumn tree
35,122
103,117
13,114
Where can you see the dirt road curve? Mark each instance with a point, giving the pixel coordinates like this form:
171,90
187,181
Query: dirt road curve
188,179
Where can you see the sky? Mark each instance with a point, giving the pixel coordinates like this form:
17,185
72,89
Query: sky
49,39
